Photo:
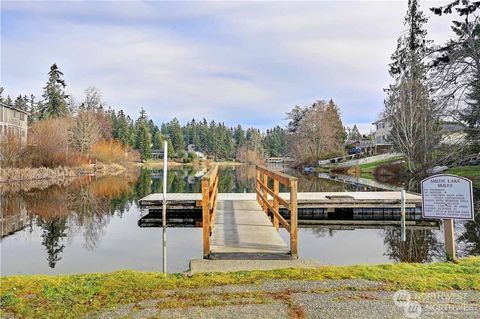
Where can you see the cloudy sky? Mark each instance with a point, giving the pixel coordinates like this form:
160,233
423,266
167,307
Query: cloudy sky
237,62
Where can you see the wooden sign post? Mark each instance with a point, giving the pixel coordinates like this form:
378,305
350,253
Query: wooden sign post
447,197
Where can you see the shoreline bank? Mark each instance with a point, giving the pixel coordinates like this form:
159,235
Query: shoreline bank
32,174
91,295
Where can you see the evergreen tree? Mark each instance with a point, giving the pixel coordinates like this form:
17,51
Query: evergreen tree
55,99
295,116
34,110
275,142
175,134
123,129
143,140
336,125
157,140
171,149
239,135
354,134
408,105
21,102
456,68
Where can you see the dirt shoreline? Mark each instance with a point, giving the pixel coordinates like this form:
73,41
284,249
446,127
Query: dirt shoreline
30,174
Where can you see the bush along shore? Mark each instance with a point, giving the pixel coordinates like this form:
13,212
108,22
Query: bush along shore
76,296
13,174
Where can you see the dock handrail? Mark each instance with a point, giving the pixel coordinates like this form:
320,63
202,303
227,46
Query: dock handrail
209,206
262,189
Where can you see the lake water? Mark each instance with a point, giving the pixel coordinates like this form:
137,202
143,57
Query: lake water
91,225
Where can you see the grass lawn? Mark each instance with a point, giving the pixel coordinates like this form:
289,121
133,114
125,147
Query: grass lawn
366,170
370,167
72,296
470,172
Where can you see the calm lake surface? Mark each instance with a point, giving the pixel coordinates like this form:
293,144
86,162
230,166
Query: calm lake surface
91,225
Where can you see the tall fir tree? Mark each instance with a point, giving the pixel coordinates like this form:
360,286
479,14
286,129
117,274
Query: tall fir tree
143,140
55,100
239,135
408,105
175,134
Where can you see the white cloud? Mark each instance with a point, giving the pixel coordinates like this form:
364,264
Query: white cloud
244,62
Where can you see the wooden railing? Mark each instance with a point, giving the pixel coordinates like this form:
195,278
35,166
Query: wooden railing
262,189
209,206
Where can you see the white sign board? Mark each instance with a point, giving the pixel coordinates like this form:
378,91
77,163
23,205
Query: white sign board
447,197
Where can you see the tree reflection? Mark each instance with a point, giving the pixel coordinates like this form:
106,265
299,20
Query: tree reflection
470,238
52,237
84,206
312,183
421,245
320,232
244,178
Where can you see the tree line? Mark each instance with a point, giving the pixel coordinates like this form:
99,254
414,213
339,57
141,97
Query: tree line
85,123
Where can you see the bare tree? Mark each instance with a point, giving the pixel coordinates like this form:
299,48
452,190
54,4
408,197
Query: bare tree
317,134
414,122
84,132
93,99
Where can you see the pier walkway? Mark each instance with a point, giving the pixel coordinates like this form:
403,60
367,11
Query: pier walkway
242,230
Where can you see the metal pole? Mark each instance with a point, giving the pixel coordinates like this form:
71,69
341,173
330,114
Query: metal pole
402,212
164,206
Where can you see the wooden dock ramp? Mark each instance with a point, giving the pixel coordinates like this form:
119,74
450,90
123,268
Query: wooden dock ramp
242,230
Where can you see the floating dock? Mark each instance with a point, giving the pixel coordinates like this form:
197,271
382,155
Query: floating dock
305,199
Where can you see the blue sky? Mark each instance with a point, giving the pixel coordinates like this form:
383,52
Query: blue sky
237,62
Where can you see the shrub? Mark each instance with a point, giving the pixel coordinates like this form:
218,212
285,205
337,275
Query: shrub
12,153
111,151
49,142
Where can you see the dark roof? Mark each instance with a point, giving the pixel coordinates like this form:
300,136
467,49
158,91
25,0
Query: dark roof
380,120
13,108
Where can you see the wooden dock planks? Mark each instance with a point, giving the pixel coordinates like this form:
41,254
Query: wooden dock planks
242,230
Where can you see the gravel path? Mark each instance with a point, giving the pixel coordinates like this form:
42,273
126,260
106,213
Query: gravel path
279,299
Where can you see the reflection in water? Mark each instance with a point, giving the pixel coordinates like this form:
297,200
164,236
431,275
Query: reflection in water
60,212
53,233
100,215
470,238
421,245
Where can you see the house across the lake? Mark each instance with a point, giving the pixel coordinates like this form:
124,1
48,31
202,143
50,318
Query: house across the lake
383,127
13,122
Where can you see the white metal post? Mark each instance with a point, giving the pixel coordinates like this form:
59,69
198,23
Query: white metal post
402,212
164,206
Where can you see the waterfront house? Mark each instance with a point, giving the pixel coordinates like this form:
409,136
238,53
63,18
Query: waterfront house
13,122
383,127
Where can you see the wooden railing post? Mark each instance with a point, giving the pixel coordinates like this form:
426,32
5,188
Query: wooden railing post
276,204
265,194
293,219
257,177
206,217
263,191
